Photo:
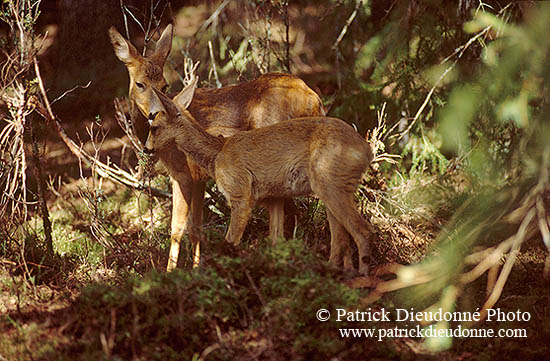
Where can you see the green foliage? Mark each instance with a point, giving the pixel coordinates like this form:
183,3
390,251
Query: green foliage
503,135
509,79
26,342
267,296
425,155
93,236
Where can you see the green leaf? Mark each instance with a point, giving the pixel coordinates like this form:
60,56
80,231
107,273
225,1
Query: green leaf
515,109
457,117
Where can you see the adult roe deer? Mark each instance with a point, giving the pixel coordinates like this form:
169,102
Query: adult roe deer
314,155
268,99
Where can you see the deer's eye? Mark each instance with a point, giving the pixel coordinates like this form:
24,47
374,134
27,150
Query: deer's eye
140,86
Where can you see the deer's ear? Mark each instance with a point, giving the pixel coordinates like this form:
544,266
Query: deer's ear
183,99
124,50
171,110
163,47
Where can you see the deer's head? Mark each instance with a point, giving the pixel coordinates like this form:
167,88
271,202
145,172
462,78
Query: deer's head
145,71
169,121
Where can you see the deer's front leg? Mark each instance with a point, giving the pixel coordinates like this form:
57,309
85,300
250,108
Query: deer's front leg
181,201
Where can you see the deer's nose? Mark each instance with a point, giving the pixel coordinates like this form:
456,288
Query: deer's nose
148,151
152,115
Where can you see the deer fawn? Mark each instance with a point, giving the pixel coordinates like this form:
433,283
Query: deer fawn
266,100
314,155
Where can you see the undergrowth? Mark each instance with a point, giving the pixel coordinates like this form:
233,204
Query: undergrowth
262,301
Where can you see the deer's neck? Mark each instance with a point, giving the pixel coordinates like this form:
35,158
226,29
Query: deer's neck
198,144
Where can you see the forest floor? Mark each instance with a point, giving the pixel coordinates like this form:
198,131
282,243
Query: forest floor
108,297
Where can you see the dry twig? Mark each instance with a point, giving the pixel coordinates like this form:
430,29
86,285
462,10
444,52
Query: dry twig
112,172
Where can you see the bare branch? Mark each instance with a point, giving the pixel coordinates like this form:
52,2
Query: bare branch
71,90
213,62
346,26
212,17
127,126
105,170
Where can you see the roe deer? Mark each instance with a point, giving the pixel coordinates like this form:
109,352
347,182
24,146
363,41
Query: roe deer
268,99
314,155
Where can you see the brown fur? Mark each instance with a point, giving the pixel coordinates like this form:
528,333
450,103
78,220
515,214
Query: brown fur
314,155
266,100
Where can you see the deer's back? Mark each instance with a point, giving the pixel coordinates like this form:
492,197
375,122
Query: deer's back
281,160
267,100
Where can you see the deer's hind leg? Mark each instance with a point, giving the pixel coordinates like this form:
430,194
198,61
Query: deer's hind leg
341,204
240,213
340,249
